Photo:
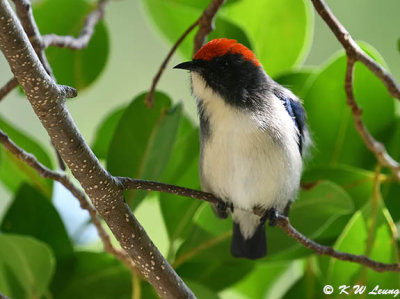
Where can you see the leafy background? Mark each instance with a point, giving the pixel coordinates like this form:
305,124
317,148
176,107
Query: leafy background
48,248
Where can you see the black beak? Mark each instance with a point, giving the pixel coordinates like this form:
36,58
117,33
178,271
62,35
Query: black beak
189,65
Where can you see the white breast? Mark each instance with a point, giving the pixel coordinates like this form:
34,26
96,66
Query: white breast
242,160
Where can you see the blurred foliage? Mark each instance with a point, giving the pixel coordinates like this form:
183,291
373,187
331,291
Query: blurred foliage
345,204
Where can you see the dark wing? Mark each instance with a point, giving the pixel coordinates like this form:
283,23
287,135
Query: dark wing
297,113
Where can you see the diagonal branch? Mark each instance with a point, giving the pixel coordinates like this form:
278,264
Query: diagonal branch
353,50
40,43
372,144
129,183
44,172
6,89
206,23
48,102
354,53
285,225
24,12
282,222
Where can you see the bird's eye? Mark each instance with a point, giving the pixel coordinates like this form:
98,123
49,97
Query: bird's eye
224,64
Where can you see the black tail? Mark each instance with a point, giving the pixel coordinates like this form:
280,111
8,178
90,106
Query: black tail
253,248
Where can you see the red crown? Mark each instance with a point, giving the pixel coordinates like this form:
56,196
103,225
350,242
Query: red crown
221,46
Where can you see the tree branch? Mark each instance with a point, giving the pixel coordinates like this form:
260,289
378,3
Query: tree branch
149,100
353,49
282,222
87,31
40,43
285,225
106,193
354,53
129,183
373,145
10,85
206,22
24,12
44,172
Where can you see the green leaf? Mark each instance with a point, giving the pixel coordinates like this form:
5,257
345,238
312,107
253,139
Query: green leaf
26,267
281,31
270,280
13,172
94,275
74,68
214,273
105,132
312,214
308,286
278,45
357,182
181,169
354,240
398,45
297,81
330,119
174,17
32,214
391,190
143,140
201,291
206,250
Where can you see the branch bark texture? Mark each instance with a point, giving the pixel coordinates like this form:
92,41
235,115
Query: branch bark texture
106,192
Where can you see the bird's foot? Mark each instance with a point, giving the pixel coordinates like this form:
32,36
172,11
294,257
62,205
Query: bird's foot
221,209
272,215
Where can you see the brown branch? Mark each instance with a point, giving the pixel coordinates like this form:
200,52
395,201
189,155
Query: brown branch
40,43
136,184
353,49
44,172
87,31
373,145
285,225
129,183
24,12
282,222
149,100
6,89
106,193
355,53
206,23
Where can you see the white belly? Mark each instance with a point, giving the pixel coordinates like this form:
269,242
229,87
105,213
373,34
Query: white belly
245,167
240,161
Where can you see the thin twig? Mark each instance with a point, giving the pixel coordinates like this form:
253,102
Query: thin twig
352,48
285,225
376,147
354,53
206,24
40,43
44,172
6,89
149,100
282,222
87,31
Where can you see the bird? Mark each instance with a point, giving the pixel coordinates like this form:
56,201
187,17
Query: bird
253,136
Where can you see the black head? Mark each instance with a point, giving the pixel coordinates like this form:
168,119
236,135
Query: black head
230,69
